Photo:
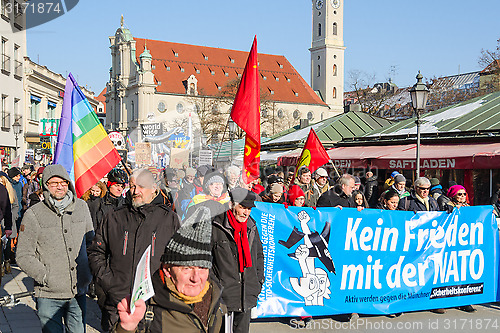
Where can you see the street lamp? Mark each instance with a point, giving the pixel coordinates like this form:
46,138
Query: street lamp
232,128
17,130
418,94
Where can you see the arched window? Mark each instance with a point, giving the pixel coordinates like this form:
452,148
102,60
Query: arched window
196,108
335,28
281,113
319,70
319,29
180,108
264,113
334,70
132,111
310,115
192,89
296,114
334,92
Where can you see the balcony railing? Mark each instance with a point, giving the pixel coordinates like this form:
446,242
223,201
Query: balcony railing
5,120
18,68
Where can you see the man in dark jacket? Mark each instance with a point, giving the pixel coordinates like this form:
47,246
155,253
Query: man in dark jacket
371,189
122,238
343,199
186,299
240,269
419,199
5,216
117,179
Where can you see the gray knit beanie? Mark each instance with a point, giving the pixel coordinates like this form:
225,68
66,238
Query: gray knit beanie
399,178
190,245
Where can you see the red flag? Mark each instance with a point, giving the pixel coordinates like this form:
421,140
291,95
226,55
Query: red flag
313,154
246,113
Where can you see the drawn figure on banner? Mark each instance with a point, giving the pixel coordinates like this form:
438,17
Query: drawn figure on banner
314,283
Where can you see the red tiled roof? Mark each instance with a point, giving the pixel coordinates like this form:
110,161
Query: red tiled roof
214,67
102,98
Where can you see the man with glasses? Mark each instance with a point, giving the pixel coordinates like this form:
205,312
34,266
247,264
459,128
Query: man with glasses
52,249
419,199
124,235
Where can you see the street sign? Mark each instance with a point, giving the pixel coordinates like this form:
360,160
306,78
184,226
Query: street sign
205,157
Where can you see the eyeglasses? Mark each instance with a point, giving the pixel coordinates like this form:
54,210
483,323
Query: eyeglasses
423,188
64,183
462,194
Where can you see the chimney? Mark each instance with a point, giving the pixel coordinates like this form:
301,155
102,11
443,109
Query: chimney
304,123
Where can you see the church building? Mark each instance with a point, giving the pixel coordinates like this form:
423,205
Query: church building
167,83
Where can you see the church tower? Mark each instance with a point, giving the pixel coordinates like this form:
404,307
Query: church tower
327,52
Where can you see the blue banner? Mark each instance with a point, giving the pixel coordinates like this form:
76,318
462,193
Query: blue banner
330,261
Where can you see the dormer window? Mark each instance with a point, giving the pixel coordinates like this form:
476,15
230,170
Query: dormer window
192,86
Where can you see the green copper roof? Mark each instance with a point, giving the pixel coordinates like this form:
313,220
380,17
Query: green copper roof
329,131
480,114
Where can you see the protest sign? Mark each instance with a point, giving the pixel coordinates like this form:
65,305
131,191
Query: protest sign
328,261
143,286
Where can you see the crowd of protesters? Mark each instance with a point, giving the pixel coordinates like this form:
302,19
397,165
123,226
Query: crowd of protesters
206,253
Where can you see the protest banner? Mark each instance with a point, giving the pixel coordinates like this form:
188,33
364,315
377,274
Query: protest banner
330,261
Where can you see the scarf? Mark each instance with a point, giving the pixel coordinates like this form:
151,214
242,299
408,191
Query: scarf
186,299
61,205
241,239
424,201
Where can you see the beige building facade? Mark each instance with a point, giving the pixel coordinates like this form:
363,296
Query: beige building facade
43,96
169,83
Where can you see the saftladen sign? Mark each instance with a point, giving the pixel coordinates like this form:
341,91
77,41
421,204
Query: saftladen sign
152,129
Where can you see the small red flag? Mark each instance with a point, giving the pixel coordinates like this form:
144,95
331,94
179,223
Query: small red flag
246,113
313,154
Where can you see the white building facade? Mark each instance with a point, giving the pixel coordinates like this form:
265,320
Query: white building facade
13,50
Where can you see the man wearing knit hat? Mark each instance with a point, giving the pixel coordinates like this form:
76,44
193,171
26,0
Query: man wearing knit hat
186,299
124,235
238,257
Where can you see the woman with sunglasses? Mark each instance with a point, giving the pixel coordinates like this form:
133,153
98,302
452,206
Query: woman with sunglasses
458,198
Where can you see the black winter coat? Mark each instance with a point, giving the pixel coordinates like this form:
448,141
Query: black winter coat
371,191
240,290
411,203
332,199
5,208
101,206
121,240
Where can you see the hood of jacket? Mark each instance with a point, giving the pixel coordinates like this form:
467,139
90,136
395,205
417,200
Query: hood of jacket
56,170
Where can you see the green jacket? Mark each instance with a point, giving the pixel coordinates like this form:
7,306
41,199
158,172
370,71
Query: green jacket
171,315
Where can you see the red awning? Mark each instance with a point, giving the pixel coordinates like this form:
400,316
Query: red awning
399,157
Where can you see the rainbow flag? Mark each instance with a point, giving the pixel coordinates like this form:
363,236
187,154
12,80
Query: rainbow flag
130,143
83,146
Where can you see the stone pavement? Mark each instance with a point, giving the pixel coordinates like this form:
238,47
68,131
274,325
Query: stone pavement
22,317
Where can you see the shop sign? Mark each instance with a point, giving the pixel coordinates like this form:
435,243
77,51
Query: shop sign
48,127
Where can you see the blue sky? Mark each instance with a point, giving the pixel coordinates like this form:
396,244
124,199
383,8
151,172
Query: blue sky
435,36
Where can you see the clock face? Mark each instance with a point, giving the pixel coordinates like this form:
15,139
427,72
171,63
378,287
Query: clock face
335,3
319,4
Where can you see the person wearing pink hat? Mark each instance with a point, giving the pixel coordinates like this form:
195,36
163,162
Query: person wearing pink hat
458,198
